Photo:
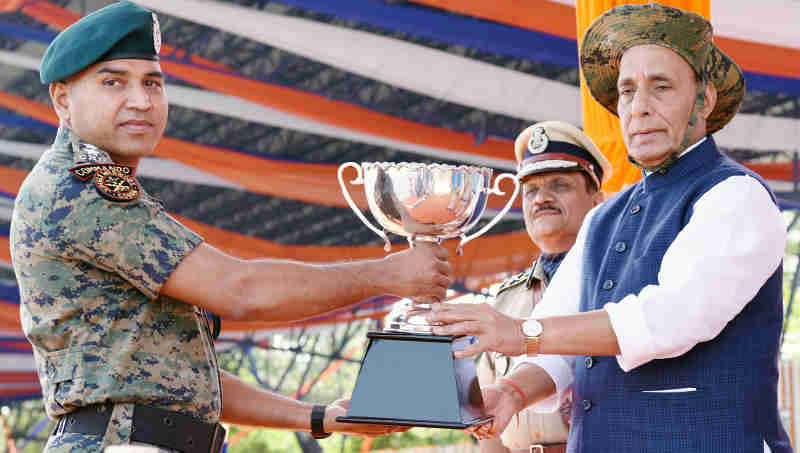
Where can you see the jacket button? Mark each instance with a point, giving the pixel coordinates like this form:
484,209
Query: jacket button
587,405
608,284
635,209
589,362
621,247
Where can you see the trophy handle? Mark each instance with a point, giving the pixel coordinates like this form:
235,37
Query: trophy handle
496,191
387,246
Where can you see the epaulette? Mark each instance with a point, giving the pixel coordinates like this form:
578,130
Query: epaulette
515,280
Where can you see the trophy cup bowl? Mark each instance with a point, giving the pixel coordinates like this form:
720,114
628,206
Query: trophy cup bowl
422,202
425,201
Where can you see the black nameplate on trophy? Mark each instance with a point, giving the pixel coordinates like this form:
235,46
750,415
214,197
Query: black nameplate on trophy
413,380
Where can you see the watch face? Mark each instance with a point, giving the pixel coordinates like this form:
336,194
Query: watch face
531,328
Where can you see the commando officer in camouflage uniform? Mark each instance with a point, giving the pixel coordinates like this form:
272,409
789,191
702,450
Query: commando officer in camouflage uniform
561,171
113,288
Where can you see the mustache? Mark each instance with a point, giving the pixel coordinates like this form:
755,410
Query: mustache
545,207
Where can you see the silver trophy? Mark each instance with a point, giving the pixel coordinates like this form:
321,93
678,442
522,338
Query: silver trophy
424,202
409,376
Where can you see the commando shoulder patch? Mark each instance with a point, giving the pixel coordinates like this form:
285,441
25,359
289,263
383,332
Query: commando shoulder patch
113,182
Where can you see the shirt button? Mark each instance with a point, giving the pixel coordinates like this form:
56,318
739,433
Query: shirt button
636,209
589,362
608,284
586,405
621,247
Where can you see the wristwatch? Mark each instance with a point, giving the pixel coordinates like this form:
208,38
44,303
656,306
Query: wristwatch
317,416
531,334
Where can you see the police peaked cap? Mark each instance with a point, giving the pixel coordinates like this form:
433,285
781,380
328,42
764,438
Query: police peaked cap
552,146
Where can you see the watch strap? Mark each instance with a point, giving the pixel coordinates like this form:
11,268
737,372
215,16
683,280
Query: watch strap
317,417
531,343
531,346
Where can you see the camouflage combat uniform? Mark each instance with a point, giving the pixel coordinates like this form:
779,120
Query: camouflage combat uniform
90,271
516,297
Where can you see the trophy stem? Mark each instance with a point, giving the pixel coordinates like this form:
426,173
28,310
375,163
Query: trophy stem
422,238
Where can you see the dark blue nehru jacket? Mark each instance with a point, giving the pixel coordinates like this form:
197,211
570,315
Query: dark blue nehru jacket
735,406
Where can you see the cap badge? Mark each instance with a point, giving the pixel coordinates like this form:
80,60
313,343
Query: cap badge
539,141
156,34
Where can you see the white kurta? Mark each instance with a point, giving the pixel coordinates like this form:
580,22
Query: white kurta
701,285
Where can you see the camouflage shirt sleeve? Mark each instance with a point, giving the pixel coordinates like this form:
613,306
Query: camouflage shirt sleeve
138,241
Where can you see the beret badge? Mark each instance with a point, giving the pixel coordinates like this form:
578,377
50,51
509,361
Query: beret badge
156,34
539,141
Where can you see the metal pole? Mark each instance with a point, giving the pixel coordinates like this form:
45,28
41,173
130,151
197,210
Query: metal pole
794,278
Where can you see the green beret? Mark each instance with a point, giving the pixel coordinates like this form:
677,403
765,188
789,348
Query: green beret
120,30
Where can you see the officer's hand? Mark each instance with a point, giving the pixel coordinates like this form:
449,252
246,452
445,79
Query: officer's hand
421,272
498,400
339,409
494,330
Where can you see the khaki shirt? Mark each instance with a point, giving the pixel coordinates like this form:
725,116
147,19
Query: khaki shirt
517,297
90,270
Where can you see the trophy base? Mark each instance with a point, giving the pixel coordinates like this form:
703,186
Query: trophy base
416,423
413,379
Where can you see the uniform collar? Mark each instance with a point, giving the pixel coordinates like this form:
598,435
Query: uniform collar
544,267
536,274
62,141
83,152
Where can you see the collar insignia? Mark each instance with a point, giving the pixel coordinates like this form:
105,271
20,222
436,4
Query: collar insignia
539,141
84,152
515,280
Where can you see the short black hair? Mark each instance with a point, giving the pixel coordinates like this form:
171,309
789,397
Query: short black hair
591,186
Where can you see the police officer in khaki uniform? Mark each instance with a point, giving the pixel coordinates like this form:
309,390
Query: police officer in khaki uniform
113,288
561,170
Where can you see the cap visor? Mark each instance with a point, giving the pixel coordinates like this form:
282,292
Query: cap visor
547,166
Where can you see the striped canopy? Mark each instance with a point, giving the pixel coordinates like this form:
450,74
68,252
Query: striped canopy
268,98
